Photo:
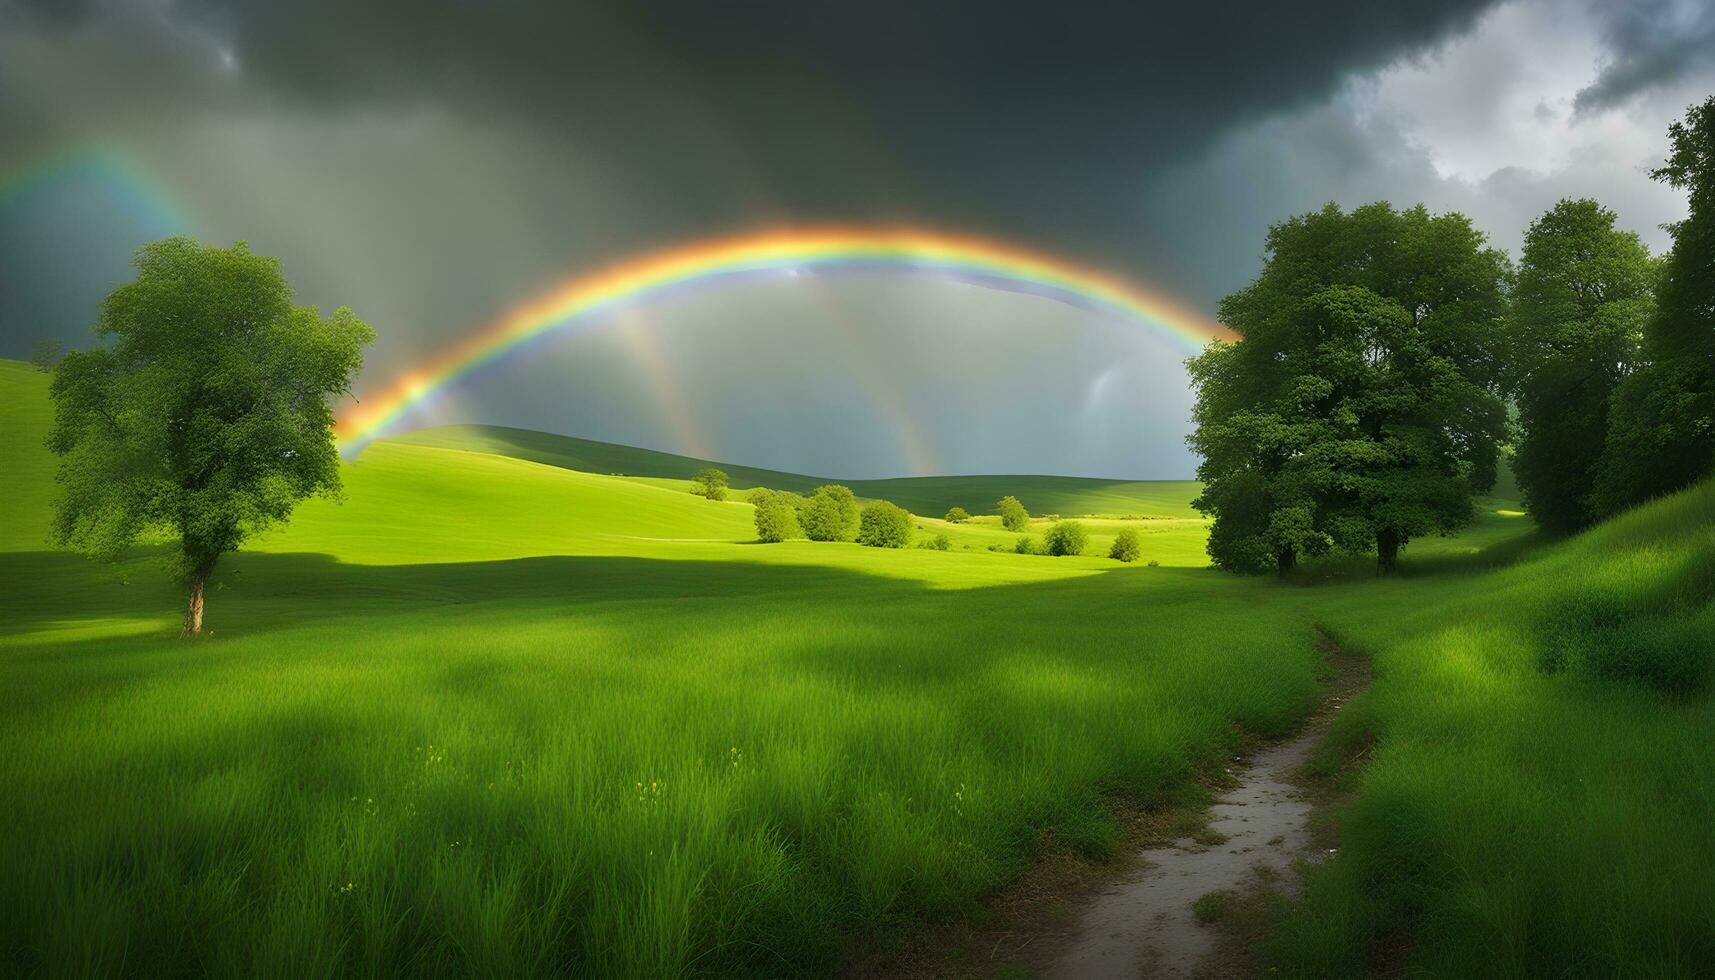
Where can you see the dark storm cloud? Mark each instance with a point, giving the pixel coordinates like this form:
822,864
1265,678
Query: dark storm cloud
432,164
1033,120
1651,43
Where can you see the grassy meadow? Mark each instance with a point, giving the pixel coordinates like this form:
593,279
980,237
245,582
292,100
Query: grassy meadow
502,712
1539,793
931,496
495,716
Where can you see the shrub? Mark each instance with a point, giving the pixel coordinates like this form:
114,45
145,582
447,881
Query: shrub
757,495
1013,516
1027,545
939,542
831,514
1066,538
710,483
1126,546
958,515
884,525
776,516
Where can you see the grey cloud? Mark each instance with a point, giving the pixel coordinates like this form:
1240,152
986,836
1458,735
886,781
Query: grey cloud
1015,119
1226,198
433,163
1651,43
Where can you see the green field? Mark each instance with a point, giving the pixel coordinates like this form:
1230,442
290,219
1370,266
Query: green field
504,712
1067,496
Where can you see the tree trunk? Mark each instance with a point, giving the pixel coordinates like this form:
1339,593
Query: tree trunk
1387,551
1285,561
193,611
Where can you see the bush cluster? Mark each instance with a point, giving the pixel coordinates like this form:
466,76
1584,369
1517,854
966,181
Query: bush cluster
884,525
1126,547
1065,538
776,514
831,514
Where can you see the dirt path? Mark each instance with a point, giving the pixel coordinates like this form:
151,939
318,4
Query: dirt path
1134,916
1145,924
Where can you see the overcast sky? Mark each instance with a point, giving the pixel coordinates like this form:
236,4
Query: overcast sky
432,162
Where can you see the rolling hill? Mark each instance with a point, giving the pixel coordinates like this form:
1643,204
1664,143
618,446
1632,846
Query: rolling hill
928,496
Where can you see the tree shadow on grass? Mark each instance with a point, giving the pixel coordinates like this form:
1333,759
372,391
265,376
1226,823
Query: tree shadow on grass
62,620
1434,564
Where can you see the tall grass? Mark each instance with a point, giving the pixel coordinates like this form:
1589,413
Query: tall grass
1542,796
493,717
549,776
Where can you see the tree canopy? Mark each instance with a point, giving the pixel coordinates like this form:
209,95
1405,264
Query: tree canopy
776,515
710,483
206,415
1127,546
1663,426
1582,297
1358,409
1065,538
1013,516
831,514
884,525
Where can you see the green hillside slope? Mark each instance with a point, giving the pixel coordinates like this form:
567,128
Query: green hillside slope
1541,800
929,496
26,467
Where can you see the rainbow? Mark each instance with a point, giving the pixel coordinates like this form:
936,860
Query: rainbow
583,298
92,166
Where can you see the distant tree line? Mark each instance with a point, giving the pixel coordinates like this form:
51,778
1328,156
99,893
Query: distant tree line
1387,359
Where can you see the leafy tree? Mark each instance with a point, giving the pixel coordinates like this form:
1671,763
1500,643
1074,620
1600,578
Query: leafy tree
1579,305
1358,409
206,416
1065,538
1013,516
884,525
1263,513
1126,547
776,515
831,514
710,483
797,501
958,515
1662,429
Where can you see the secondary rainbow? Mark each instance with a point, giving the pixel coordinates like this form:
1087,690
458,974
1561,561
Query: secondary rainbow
78,170
582,299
